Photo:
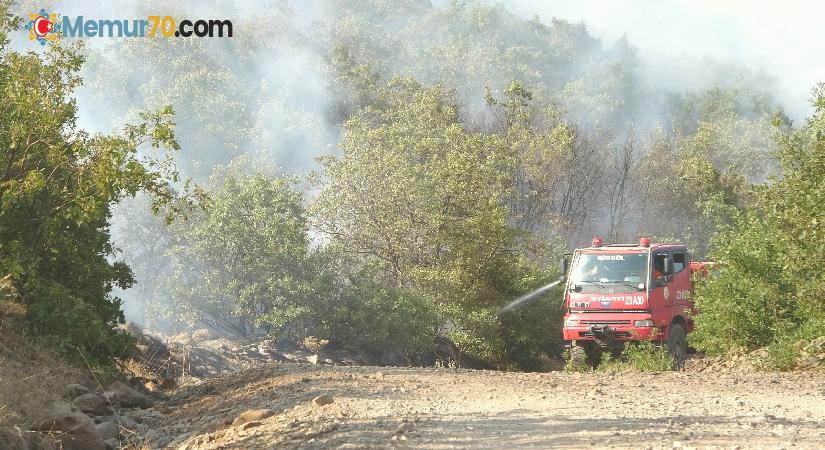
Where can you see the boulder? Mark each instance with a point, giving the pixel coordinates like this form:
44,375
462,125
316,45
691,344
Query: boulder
253,424
74,430
108,430
122,421
94,404
128,397
323,400
76,390
252,415
202,335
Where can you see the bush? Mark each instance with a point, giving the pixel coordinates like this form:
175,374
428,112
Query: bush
242,264
771,287
57,193
379,319
643,356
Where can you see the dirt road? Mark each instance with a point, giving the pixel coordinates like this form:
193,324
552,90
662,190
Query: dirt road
443,408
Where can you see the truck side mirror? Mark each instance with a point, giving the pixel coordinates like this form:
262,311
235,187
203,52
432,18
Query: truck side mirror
564,264
668,267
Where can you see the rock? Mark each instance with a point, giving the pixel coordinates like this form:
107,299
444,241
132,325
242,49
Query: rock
148,416
122,421
10,440
108,430
323,400
97,405
252,415
76,431
112,444
313,359
176,442
76,390
202,335
128,397
252,424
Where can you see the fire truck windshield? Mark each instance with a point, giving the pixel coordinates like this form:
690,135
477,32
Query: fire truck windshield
615,268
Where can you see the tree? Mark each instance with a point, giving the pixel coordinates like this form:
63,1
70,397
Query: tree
423,199
771,286
57,188
242,264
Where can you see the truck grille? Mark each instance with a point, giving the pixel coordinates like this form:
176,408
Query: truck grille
618,334
604,322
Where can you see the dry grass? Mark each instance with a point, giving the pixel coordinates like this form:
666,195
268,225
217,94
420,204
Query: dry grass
314,344
31,376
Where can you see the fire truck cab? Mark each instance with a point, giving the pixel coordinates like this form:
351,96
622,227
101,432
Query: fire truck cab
616,293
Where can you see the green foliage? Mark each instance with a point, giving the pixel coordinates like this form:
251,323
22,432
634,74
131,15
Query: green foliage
686,195
469,46
422,199
438,209
57,189
771,286
643,356
244,264
375,318
243,261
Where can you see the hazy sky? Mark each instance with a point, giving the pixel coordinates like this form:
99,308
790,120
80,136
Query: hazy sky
784,39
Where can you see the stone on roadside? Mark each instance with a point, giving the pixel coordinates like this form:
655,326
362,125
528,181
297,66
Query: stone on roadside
76,390
323,400
75,430
313,359
252,415
97,405
252,424
108,430
128,397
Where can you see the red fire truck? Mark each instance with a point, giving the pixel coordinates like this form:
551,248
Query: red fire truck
616,293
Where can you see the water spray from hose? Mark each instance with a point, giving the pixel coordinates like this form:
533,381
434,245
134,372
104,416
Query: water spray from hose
529,296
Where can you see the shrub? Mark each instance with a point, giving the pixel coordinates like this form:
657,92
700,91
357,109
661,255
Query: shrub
771,287
643,356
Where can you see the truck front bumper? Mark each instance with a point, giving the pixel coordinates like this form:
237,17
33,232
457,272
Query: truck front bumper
606,328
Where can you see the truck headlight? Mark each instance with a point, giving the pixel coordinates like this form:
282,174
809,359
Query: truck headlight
647,323
571,322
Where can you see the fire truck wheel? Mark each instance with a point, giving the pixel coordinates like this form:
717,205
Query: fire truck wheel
677,345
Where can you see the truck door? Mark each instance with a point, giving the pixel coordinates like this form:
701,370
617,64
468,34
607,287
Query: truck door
660,294
682,288
670,293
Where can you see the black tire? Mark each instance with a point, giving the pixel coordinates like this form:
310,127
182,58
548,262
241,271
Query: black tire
677,345
594,356
585,356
